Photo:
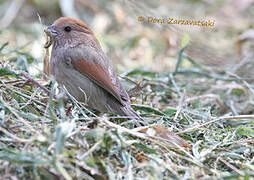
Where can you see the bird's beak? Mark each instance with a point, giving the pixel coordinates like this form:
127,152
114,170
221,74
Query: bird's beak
52,30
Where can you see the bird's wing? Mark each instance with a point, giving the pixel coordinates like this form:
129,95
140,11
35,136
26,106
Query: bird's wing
97,68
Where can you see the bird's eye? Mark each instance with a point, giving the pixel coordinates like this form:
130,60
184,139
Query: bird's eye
67,28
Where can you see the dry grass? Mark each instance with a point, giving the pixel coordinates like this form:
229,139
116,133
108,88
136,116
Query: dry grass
212,112
204,93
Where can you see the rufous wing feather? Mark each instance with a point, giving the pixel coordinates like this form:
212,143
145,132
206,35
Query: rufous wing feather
99,75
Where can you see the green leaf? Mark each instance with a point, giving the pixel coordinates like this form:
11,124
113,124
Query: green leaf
233,175
237,91
29,116
140,72
20,157
91,161
148,109
145,148
233,156
5,71
245,131
170,111
3,46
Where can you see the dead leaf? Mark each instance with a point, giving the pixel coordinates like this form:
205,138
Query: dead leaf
141,157
165,133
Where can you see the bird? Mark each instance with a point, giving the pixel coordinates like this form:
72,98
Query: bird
80,65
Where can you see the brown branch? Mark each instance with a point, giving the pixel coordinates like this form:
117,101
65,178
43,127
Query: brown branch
26,75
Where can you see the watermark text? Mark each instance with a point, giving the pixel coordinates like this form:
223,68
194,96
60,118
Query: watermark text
185,22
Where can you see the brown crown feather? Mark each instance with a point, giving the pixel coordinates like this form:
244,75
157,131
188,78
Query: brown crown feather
74,21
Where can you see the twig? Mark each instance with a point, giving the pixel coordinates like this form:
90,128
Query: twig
77,103
13,111
232,107
180,105
242,62
179,59
231,166
15,137
244,82
26,75
131,132
212,96
208,75
93,148
30,99
217,119
26,96
174,83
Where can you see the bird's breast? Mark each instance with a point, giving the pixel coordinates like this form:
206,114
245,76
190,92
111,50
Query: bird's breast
79,86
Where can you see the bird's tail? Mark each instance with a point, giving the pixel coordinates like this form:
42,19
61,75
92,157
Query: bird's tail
128,111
